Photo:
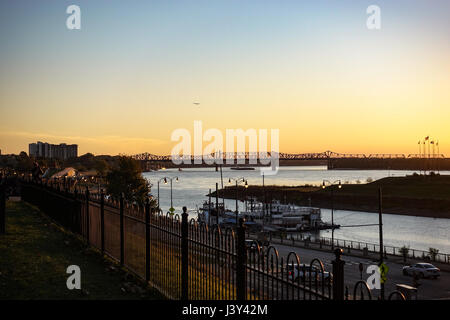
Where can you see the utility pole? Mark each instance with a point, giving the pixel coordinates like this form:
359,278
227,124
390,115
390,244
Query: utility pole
438,157
424,159
236,195
217,201
332,219
332,206
429,157
264,204
171,202
209,208
158,195
221,183
420,156
237,180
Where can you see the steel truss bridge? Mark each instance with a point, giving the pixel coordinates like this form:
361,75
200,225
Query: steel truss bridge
327,155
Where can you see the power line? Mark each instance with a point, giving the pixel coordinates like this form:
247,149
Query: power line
360,225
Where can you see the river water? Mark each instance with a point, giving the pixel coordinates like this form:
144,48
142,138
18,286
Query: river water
398,230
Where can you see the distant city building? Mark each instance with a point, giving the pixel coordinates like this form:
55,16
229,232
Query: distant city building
58,151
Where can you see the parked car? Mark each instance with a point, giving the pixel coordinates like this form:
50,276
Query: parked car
306,272
251,245
423,270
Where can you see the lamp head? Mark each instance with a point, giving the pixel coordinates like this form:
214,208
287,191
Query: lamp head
165,180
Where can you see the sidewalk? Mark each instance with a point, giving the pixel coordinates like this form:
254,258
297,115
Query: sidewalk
35,254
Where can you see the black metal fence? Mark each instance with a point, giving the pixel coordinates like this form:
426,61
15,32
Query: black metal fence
9,187
352,245
184,259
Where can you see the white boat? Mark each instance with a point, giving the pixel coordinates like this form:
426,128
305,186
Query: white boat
275,216
210,215
286,217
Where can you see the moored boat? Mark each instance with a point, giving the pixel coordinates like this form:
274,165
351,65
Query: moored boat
271,217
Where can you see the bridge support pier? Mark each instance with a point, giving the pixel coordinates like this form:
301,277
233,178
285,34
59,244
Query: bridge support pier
330,164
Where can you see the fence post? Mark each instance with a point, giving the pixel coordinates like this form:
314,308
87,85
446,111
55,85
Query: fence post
122,249
184,255
241,269
102,219
147,239
338,275
87,214
2,207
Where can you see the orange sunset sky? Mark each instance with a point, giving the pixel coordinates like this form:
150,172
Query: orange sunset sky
130,76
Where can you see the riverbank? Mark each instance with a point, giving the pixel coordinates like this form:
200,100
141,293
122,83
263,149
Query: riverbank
425,196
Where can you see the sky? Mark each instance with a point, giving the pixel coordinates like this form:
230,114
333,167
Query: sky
312,69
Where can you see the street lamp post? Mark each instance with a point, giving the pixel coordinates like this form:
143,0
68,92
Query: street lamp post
164,179
264,205
171,201
237,180
338,182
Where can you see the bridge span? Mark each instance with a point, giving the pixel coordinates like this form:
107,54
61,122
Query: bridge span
332,160
289,156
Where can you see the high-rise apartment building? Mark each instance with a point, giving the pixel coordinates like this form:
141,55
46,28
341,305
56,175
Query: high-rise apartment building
58,151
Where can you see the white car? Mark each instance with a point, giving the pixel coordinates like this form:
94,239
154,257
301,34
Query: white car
305,272
423,270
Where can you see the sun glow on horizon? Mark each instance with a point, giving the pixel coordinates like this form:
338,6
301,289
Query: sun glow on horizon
129,77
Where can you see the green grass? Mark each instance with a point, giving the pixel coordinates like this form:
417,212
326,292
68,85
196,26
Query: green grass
427,196
165,270
34,256
416,187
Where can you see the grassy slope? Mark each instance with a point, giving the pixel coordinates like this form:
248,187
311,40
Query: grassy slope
35,253
437,187
412,195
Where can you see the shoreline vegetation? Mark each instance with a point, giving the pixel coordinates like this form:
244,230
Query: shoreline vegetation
425,196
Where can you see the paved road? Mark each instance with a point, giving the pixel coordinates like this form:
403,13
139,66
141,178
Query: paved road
429,289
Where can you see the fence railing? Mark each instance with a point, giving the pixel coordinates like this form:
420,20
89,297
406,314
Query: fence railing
181,258
322,242
184,259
